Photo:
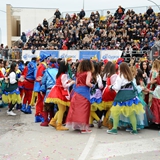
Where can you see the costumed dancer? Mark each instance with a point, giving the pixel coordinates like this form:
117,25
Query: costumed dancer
11,93
28,85
105,71
37,85
59,95
35,94
145,69
140,87
69,61
128,105
152,84
142,90
109,95
48,81
1,81
20,83
96,96
79,111
155,107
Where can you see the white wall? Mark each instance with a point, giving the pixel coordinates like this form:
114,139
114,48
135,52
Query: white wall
31,17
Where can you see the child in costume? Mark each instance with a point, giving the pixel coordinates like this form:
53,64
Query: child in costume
128,105
59,95
48,81
79,111
37,85
109,95
28,84
96,96
11,93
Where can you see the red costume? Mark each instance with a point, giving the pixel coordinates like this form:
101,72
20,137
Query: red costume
39,105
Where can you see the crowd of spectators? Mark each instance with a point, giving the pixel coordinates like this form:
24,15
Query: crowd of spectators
124,30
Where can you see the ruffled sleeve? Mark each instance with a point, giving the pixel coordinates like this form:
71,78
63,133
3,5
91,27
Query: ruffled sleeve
64,80
113,79
12,78
118,83
99,81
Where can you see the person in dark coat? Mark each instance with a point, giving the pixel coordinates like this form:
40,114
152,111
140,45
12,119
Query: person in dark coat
82,14
57,14
149,11
23,37
120,11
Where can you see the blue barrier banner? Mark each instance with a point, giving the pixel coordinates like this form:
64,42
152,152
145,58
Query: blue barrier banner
111,55
89,54
54,54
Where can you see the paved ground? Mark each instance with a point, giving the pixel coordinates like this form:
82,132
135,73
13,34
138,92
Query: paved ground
22,139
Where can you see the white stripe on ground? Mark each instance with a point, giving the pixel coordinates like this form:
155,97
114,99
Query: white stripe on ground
126,148
87,147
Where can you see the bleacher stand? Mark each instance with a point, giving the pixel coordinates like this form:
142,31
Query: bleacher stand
135,34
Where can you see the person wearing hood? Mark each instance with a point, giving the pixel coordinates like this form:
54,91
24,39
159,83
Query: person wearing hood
48,81
28,84
37,85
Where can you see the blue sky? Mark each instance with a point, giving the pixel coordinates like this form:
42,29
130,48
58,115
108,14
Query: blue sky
67,5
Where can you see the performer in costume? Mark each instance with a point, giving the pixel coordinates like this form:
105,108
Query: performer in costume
152,84
59,95
142,90
144,66
20,83
35,94
128,105
96,96
1,81
48,81
109,95
11,94
106,71
79,111
155,107
28,84
139,85
40,71
69,61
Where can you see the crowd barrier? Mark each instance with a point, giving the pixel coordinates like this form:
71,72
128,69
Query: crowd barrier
74,54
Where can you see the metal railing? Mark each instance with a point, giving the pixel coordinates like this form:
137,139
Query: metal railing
16,54
137,54
8,54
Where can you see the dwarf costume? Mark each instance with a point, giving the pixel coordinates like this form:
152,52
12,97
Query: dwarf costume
37,85
28,85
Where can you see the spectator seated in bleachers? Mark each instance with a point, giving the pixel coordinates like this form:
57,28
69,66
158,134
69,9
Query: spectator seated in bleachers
127,31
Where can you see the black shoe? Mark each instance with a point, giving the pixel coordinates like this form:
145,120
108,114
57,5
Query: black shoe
99,124
91,125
